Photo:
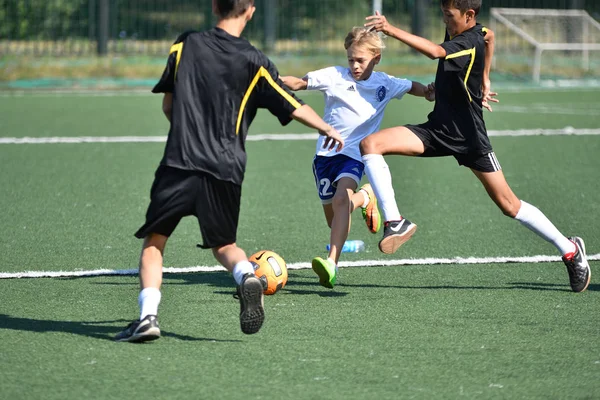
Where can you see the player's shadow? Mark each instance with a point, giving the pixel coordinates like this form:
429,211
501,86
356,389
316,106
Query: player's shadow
225,280
215,278
508,286
219,279
300,284
289,289
104,330
594,287
550,286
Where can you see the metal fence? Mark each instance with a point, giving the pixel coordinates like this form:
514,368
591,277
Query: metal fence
86,27
304,31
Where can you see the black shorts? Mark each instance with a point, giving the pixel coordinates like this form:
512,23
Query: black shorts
436,148
178,193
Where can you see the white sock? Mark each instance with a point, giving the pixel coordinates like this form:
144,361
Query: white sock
331,260
240,269
149,299
366,197
381,180
536,221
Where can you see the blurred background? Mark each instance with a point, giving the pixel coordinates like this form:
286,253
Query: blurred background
124,43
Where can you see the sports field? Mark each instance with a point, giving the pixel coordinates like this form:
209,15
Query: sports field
474,306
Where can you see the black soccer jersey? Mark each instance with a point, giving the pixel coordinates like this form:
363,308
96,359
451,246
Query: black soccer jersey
458,111
218,82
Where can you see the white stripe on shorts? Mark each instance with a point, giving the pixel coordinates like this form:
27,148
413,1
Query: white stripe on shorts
494,161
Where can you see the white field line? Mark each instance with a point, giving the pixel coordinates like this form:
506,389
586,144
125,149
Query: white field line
80,93
569,130
300,265
141,139
546,86
261,137
587,109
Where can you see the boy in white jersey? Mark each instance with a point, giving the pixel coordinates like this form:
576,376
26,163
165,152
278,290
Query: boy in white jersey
355,99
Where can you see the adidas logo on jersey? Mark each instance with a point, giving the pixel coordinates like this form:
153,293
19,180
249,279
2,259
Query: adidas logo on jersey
351,88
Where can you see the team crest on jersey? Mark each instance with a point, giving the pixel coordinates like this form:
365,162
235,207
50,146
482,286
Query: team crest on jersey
381,92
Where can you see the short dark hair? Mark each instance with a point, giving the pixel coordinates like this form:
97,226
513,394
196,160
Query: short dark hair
232,8
463,5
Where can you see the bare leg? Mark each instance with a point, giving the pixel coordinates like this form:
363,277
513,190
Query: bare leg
328,210
356,202
150,276
151,261
397,140
496,186
342,207
572,250
229,255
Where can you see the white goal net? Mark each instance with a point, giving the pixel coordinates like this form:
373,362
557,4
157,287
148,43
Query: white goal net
544,41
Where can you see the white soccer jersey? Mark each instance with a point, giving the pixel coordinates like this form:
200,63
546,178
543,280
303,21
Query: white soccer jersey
354,108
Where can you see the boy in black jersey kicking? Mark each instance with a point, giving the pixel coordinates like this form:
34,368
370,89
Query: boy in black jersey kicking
213,84
456,128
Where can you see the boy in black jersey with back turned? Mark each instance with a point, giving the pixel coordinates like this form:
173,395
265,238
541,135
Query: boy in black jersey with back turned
213,84
456,128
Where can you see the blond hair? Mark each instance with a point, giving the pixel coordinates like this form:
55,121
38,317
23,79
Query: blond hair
366,38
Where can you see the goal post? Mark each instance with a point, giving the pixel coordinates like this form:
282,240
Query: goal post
377,5
528,31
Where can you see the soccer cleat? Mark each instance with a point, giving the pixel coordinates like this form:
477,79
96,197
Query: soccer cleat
140,331
252,311
395,234
326,270
370,213
577,266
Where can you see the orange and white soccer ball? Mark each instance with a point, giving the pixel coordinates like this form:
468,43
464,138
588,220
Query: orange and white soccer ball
270,268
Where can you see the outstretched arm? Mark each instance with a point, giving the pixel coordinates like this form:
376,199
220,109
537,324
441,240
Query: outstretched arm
420,90
430,49
294,83
307,116
488,95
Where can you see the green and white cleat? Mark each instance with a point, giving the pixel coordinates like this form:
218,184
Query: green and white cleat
326,270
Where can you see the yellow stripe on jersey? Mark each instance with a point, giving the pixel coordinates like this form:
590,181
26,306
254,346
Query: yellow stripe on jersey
469,52
484,29
279,89
176,48
262,73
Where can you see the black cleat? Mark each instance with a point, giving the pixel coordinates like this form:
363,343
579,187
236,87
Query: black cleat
395,234
140,331
577,266
252,312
